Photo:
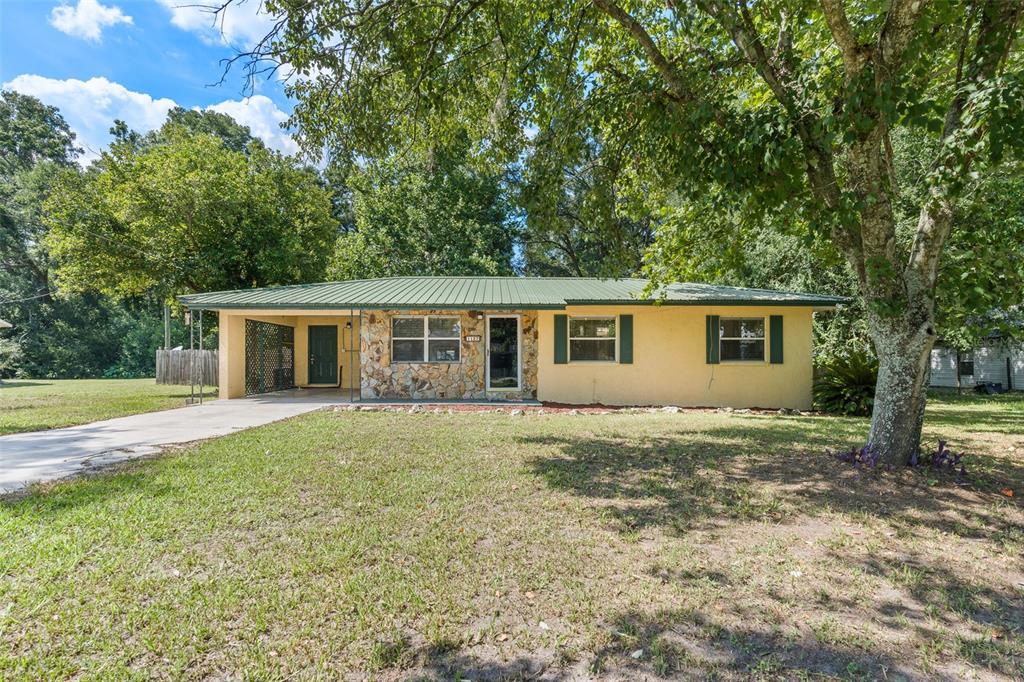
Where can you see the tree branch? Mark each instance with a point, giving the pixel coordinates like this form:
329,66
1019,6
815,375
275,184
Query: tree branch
819,164
897,32
650,48
997,28
853,53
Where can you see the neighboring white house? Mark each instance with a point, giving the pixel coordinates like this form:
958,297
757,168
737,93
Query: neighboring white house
994,362
4,324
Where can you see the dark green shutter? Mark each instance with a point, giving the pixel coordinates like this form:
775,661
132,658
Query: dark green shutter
626,339
561,339
775,338
712,339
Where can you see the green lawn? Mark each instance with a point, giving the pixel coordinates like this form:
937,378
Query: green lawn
494,546
51,403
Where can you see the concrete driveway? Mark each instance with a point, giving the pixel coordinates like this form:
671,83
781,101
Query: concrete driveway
47,455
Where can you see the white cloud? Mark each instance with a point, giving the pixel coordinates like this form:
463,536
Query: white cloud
91,106
263,118
242,23
87,19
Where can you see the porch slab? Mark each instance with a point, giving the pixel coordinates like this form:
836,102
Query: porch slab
40,456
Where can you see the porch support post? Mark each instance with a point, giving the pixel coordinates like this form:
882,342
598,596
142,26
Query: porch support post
201,356
231,359
191,358
355,354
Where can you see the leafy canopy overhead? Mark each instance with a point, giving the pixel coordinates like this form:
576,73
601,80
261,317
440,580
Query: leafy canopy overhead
981,278
232,134
752,109
584,215
667,82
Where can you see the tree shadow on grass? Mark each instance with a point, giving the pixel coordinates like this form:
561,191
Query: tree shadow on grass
449,665
132,479
986,620
681,645
680,481
949,416
945,595
1003,414
693,646
455,660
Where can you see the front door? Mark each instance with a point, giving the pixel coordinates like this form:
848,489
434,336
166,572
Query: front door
503,353
323,354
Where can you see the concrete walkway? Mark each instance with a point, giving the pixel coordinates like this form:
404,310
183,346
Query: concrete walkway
47,455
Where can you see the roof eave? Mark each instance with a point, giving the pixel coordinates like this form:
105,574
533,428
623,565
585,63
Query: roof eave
815,303
818,305
197,305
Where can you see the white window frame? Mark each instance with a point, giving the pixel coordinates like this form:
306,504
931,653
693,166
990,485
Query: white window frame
763,339
570,338
519,354
426,338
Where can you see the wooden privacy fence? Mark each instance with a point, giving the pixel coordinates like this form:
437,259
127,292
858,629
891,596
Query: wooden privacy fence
175,366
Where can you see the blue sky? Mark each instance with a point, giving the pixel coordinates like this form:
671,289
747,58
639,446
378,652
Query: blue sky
97,60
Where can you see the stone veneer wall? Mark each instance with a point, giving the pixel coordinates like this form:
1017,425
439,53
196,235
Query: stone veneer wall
466,380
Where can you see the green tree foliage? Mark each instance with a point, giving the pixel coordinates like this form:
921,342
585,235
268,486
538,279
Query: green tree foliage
981,276
432,214
235,136
56,334
36,143
698,242
232,134
32,132
578,222
128,217
187,214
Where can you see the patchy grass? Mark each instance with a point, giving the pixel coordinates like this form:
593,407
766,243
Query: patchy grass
492,546
27,405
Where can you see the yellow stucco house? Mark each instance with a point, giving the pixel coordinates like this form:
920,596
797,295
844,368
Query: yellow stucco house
560,340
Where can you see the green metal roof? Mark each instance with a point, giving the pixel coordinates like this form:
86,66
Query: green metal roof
493,293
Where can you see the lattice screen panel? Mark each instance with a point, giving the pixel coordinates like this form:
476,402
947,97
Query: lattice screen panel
269,357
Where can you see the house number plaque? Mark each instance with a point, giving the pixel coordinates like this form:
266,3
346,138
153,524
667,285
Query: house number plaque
471,338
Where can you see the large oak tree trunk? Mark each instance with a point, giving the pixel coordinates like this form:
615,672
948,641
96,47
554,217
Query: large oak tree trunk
904,355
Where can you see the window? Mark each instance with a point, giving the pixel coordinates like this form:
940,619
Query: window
426,339
592,339
742,338
965,366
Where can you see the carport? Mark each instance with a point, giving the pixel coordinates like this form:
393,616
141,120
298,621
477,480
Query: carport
263,351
